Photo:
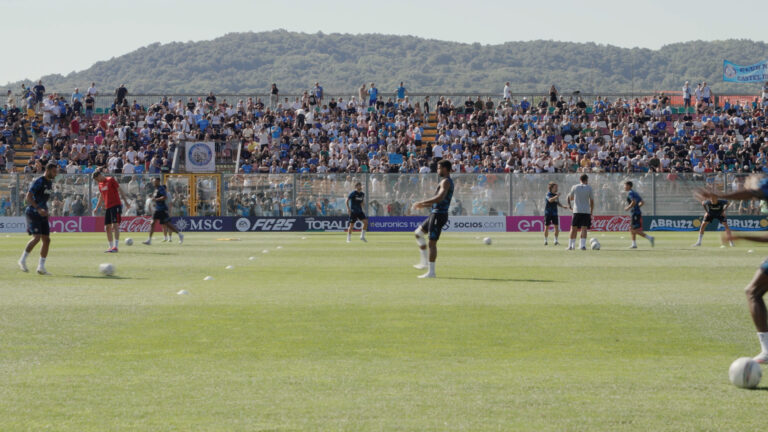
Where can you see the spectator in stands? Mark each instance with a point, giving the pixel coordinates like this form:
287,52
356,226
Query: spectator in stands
120,94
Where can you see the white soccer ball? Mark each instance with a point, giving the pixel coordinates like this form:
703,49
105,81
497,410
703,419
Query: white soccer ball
592,240
596,245
745,373
107,269
129,241
487,240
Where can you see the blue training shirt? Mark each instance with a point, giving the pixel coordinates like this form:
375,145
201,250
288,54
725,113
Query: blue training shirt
635,210
356,201
41,189
442,206
550,208
161,205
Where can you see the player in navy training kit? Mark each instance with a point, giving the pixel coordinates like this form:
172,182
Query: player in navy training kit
754,188
634,202
437,218
355,210
551,203
714,210
37,216
161,212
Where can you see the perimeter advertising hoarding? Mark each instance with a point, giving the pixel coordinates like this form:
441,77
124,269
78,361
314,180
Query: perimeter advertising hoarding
693,223
454,224
16,224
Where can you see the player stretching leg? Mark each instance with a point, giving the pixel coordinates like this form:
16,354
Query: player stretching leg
634,202
714,210
111,193
437,218
355,210
37,217
551,203
755,188
161,212
583,203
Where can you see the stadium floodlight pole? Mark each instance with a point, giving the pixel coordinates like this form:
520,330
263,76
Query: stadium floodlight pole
175,164
237,162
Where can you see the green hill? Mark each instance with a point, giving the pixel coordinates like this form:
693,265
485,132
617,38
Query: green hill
250,62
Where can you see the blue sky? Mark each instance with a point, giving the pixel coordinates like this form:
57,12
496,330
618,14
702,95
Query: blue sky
70,35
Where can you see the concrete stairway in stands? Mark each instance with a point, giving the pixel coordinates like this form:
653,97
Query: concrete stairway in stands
430,130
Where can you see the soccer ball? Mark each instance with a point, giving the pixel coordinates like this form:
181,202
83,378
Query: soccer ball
129,241
592,240
745,373
107,269
487,240
595,245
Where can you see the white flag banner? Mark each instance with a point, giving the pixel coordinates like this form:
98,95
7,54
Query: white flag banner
200,156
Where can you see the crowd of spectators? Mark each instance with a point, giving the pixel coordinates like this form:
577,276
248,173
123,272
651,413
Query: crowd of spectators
383,132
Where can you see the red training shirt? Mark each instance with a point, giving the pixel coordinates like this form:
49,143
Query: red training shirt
109,193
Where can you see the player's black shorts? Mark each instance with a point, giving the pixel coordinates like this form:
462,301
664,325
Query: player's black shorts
582,220
434,225
162,216
709,217
114,215
551,220
637,221
356,216
36,224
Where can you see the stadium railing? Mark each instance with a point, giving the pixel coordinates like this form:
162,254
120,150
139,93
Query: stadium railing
387,194
104,102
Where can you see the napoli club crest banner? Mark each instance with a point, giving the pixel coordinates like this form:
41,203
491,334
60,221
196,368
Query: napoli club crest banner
754,73
200,157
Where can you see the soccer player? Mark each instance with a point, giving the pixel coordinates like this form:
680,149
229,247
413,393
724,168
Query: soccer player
111,194
437,218
37,217
551,203
161,212
714,210
634,202
355,210
754,188
581,199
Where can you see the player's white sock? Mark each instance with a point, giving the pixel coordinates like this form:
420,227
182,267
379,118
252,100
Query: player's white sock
583,243
24,256
362,234
571,243
634,243
763,341
349,237
42,262
701,236
730,243
424,256
556,241
432,268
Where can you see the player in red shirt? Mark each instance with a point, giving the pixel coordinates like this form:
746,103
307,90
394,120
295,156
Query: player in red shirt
110,194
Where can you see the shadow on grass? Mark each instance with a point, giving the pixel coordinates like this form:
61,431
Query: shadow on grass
763,388
102,277
498,279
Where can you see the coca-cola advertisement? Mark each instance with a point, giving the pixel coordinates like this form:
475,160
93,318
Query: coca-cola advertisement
611,223
130,224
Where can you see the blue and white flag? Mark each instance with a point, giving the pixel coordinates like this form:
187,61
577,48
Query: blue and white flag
755,73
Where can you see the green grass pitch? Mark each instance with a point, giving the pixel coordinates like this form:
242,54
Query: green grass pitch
324,335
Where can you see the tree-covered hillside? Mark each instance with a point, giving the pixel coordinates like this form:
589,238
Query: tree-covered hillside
250,62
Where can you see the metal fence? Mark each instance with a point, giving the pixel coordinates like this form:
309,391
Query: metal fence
387,194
